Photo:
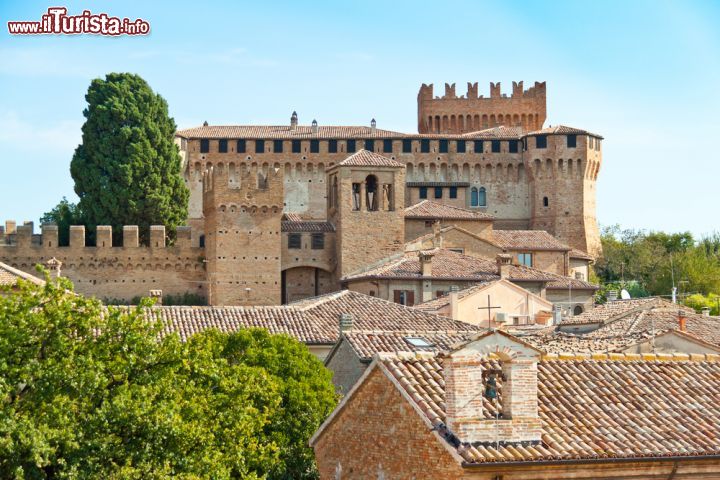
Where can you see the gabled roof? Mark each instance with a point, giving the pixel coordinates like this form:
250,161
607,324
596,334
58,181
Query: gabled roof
278,132
306,226
501,132
611,311
427,209
575,253
365,158
562,130
10,275
527,239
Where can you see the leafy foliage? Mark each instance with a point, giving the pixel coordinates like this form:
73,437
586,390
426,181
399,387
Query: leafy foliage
63,215
187,298
699,301
127,169
93,393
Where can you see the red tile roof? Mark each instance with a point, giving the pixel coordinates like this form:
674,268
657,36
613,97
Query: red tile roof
10,275
527,239
562,130
427,209
280,132
366,343
365,158
306,226
501,132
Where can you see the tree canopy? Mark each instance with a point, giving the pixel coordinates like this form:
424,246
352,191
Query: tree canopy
127,170
95,392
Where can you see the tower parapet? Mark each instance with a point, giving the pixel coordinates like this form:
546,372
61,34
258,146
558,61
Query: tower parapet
472,112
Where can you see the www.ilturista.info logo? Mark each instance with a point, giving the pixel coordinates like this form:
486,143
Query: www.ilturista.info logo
57,21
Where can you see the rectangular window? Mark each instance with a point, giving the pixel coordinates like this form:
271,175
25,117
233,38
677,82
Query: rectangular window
453,192
443,146
314,146
541,141
438,192
407,146
404,297
294,241
572,141
222,146
204,145
370,145
351,146
425,146
332,146
478,146
525,259
513,146
457,250
460,145
423,192
387,146
296,146
318,241
277,146
259,146
240,148
495,146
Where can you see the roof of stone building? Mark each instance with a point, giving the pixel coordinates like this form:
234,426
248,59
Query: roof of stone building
501,132
575,253
450,265
366,158
527,239
306,226
312,321
611,311
427,209
10,275
271,132
292,217
562,130
591,407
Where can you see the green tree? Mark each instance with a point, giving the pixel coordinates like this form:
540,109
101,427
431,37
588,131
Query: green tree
127,170
94,393
63,215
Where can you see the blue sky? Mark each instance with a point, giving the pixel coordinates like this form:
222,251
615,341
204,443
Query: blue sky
644,74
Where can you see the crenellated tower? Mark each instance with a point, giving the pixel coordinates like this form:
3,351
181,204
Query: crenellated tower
243,209
473,112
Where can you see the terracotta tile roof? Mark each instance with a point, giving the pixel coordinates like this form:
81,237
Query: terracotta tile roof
10,275
574,253
367,343
611,311
450,265
306,226
562,130
527,239
365,158
592,408
501,132
279,132
292,217
427,209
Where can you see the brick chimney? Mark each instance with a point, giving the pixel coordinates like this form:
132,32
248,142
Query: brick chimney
293,121
467,374
454,300
158,296
504,262
426,263
682,320
346,322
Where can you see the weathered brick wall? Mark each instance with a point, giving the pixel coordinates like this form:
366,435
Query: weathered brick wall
378,433
304,282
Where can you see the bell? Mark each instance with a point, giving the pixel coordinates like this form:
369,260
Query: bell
491,388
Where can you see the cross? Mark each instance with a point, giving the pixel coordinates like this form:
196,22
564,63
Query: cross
489,309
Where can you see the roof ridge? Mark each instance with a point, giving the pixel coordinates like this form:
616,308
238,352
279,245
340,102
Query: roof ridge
631,357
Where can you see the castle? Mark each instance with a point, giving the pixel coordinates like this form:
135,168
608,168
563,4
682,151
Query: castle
278,213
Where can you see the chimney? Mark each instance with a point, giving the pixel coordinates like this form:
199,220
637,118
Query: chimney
557,314
205,124
157,295
612,295
426,263
454,298
54,265
705,311
504,262
682,320
314,127
471,386
373,126
346,322
293,121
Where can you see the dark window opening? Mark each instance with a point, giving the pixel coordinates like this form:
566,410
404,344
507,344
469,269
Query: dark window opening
438,192
356,196
407,146
314,146
478,146
443,146
513,146
453,192
351,146
546,202
277,146
387,146
332,146
296,146
425,146
423,192
294,241
404,297
541,141
495,146
318,241
202,241
572,141
204,145
259,146
222,146
240,147
370,145
371,193
460,146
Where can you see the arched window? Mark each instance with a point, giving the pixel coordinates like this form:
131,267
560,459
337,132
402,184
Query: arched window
371,192
482,197
546,202
577,310
474,197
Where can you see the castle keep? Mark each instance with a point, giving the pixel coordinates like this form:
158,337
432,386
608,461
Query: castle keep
279,213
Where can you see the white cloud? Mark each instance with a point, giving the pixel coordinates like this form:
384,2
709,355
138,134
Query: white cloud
17,134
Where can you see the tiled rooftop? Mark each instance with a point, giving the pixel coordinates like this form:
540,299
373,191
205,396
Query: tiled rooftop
285,132
562,130
427,209
367,343
611,311
625,407
10,275
365,158
306,226
527,239
500,132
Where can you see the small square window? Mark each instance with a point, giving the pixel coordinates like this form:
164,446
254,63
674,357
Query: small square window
296,146
443,146
572,141
525,259
479,146
407,146
460,145
204,145
259,146
294,241
240,148
387,146
318,241
222,146
541,141
332,146
277,146
423,192
453,192
314,146
351,146
425,146
438,192
370,145
513,146
495,146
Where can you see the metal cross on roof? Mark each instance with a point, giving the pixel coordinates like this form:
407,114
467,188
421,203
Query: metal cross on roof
489,311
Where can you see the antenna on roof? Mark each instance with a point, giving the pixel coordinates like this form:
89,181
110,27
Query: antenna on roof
624,294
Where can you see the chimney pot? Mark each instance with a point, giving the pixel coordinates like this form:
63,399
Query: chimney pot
426,263
373,125
158,296
205,123
54,265
314,127
682,320
293,121
504,262
346,322
706,311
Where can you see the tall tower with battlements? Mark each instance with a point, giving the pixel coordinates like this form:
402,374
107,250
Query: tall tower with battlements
472,112
243,210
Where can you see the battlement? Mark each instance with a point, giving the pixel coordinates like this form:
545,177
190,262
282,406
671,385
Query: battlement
243,186
24,236
471,112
